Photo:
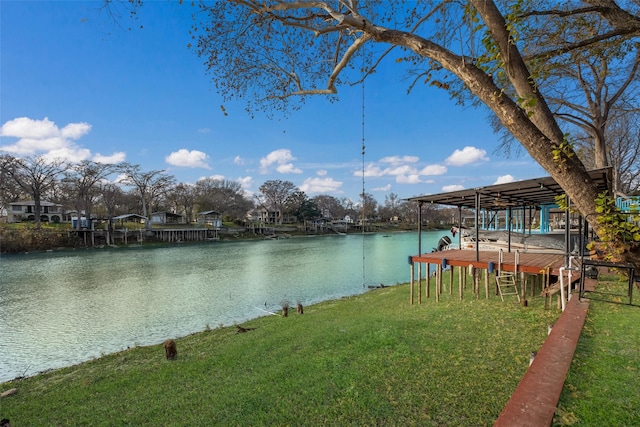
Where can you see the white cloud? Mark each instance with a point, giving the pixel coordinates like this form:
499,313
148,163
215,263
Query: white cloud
433,170
320,185
504,179
281,159
454,187
466,156
189,159
238,160
288,168
321,172
121,177
73,155
116,157
75,130
43,136
215,177
24,127
370,170
408,179
400,170
383,188
395,160
246,183
398,167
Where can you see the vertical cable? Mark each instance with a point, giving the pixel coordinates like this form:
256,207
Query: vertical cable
363,173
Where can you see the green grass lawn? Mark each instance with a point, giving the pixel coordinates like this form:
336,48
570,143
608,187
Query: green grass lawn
603,384
372,359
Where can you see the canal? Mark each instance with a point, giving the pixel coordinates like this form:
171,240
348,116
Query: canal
61,308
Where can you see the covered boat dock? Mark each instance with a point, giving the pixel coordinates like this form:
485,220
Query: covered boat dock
527,196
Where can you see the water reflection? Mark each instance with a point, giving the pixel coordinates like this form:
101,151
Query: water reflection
58,309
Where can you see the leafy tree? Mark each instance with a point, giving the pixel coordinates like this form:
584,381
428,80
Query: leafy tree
273,53
274,195
303,208
329,206
34,175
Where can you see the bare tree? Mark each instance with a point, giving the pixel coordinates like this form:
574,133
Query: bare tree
182,199
35,175
390,208
10,191
273,196
149,185
623,152
112,197
83,181
224,196
368,206
602,88
585,87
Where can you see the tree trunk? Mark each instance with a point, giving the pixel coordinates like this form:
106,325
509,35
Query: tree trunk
535,128
37,208
147,222
600,150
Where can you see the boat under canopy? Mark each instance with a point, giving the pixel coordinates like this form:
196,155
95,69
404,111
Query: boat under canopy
530,195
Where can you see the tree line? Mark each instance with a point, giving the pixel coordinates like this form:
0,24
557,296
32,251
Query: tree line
559,78
86,188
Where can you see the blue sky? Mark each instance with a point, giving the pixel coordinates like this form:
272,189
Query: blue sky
75,84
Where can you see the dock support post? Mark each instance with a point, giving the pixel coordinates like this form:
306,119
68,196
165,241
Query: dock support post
427,281
486,283
438,281
451,280
411,268
419,283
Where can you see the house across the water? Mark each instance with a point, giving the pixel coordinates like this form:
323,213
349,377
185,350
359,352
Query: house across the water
25,211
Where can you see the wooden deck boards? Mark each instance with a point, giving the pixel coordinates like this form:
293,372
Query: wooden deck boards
533,263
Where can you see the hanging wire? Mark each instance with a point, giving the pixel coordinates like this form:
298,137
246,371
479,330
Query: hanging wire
364,276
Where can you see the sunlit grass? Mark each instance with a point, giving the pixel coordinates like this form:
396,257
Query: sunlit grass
601,388
372,359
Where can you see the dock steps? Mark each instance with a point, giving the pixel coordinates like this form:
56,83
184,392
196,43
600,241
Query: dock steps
506,282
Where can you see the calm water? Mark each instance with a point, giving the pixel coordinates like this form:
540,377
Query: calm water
59,309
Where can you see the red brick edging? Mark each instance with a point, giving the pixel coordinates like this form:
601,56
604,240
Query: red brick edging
534,401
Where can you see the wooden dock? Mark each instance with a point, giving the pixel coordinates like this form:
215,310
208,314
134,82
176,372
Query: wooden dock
539,273
531,263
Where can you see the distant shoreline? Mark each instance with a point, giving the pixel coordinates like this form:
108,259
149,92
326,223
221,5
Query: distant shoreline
41,243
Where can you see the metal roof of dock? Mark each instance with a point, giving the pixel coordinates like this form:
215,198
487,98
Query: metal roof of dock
529,192
129,216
